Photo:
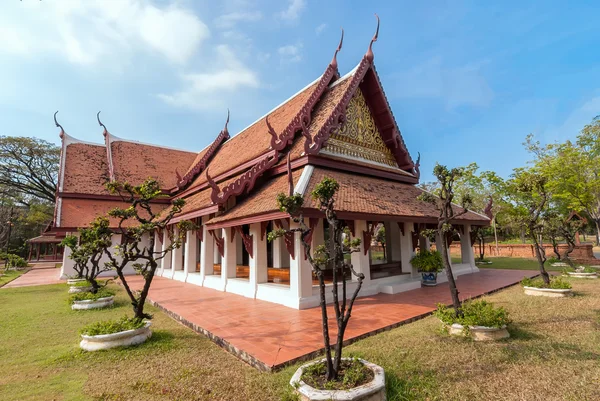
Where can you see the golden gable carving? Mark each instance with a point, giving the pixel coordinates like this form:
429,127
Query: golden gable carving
359,136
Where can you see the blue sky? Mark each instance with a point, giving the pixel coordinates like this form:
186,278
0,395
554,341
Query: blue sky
467,81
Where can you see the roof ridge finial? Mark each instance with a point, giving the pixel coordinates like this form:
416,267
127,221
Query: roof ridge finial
226,122
102,125
334,60
369,54
62,130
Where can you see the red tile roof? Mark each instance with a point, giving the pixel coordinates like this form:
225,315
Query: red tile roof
255,140
377,196
357,194
135,162
85,169
76,213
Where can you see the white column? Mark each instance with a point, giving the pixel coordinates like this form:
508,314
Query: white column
207,251
258,260
406,246
166,261
228,263
360,261
318,237
177,255
191,250
466,248
68,266
217,256
156,249
281,256
300,269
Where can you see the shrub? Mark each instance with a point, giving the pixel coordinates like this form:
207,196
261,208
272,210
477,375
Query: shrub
556,283
428,261
88,296
81,284
112,326
474,313
553,260
352,374
13,260
585,269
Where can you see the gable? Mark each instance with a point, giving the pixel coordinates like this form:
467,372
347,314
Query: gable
359,137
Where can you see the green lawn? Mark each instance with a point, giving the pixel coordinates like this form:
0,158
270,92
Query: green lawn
516,264
553,355
10,275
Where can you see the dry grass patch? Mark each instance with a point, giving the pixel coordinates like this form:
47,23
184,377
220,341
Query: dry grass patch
554,354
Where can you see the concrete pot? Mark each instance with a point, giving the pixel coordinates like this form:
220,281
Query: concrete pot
429,279
93,303
72,281
372,391
121,339
582,275
483,263
548,292
479,333
76,289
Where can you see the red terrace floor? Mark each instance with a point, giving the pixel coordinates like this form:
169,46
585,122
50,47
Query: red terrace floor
269,336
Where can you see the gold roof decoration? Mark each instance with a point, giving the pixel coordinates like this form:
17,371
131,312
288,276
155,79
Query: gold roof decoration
359,137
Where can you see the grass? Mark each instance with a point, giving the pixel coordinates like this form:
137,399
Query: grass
516,264
10,275
553,355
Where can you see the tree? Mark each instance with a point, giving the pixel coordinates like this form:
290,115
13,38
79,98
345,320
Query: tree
88,249
30,166
528,192
572,170
443,202
329,255
380,238
137,225
557,226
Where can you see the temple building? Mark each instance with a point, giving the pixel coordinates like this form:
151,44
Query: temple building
337,126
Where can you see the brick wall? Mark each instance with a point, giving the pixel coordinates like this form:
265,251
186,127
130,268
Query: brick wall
583,251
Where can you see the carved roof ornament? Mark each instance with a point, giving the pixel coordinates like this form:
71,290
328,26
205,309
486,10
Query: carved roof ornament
488,208
62,130
102,125
289,175
334,59
203,162
370,56
417,166
279,142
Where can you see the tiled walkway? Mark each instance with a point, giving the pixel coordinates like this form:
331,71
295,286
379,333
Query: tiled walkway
40,274
268,335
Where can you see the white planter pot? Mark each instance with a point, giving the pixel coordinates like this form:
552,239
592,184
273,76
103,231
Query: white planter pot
479,333
483,263
76,289
372,391
72,281
582,275
93,303
121,339
559,264
547,292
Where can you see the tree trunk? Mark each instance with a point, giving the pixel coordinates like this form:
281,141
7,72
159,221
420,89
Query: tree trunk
323,304
541,257
138,308
495,236
597,221
443,249
522,235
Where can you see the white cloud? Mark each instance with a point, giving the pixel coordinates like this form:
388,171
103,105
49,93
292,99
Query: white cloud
290,53
95,31
293,11
207,90
320,28
231,19
455,86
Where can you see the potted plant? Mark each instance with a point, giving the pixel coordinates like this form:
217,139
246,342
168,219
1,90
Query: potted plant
480,320
581,272
90,300
557,288
429,264
332,377
114,333
80,287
